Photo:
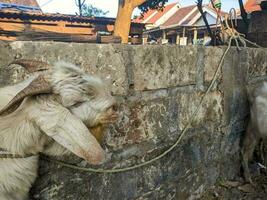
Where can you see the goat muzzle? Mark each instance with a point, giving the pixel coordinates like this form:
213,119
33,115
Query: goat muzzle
111,116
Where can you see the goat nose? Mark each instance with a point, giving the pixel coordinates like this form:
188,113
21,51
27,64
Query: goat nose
97,158
115,107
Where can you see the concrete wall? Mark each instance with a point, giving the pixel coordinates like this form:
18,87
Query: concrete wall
158,88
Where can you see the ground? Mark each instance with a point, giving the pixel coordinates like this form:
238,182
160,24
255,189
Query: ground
238,189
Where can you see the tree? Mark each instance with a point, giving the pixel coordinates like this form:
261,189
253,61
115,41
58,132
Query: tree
80,4
126,7
214,36
91,11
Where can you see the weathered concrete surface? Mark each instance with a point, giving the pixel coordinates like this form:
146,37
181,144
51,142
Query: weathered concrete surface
158,88
178,68
108,61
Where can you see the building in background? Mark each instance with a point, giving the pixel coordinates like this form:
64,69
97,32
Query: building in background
178,25
24,20
20,5
155,18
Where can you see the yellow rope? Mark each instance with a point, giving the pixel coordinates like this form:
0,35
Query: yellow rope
234,36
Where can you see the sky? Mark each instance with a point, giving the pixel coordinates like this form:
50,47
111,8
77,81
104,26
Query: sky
69,7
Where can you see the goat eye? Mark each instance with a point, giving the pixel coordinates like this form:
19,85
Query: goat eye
77,104
114,107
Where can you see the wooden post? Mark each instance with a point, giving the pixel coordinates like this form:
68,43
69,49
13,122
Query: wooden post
195,36
183,39
164,40
183,31
123,20
178,38
163,34
144,40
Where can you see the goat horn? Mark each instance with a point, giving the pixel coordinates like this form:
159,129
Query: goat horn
32,65
38,86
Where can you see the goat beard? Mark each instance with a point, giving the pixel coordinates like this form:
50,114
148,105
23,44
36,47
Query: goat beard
99,129
98,132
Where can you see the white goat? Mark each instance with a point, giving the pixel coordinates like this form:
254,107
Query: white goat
257,126
50,112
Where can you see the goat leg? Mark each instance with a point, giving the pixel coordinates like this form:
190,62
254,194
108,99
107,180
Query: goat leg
262,152
247,150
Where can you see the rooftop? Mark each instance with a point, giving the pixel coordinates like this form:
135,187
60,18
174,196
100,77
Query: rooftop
21,5
187,15
32,3
151,16
12,14
179,15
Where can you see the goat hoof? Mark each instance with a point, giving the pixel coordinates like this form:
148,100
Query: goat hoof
248,179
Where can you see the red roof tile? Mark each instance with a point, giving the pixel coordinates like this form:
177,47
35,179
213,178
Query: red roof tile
157,14
140,19
160,13
22,2
251,5
179,15
194,14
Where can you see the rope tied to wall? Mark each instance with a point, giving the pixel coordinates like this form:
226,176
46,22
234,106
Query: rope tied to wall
230,31
233,35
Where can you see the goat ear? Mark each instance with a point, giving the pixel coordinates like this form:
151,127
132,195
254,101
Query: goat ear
12,95
69,131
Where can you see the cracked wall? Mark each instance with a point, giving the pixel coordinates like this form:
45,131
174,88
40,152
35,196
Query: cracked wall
158,88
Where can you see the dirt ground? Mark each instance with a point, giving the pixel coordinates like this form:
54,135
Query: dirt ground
239,190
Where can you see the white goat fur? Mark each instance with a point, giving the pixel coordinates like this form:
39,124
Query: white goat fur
78,101
257,127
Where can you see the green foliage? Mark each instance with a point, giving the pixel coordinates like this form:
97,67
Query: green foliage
89,10
152,4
